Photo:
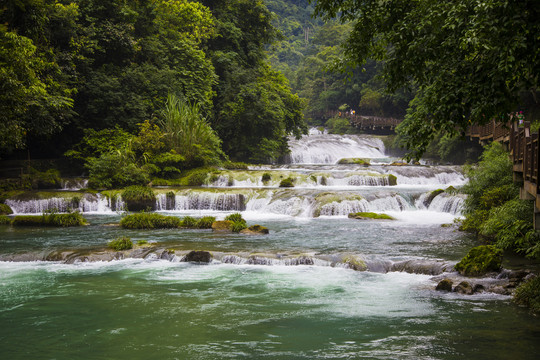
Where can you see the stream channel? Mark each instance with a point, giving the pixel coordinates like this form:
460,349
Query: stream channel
291,294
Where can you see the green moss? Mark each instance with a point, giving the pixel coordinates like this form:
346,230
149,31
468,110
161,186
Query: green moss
119,244
354,161
480,260
259,229
266,177
370,215
238,226
149,221
235,165
139,198
50,219
287,182
431,196
142,242
205,222
5,210
528,294
5,220
392,180
235,217
189,222
355,263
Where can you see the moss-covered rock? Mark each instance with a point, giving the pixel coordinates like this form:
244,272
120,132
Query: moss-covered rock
255,230
444,285
355,263
428,199
5,210
370,215
287,182
464,288
354,161
222,226
139,198
198,257
392,180
480,260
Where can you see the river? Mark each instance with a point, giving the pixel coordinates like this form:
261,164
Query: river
291,294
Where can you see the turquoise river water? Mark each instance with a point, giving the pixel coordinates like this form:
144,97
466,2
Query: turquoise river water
232,308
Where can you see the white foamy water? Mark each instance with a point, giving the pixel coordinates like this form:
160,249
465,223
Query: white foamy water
329,149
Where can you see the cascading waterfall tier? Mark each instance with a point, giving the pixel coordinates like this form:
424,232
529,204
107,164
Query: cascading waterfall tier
329,149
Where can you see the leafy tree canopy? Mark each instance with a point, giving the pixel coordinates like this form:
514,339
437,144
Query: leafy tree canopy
470,60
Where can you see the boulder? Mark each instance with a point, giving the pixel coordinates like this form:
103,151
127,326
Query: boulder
464,288
480,260
445,285
198,257
255,230
222,226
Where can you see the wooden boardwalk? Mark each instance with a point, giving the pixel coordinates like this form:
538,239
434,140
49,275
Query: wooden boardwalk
523,145
366,122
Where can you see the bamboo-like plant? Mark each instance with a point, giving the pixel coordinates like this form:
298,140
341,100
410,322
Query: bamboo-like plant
189,133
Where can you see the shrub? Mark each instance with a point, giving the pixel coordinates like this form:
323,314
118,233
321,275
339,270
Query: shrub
5,210
139,198
480,260
287,182
5,220
235,165
122,243
205,222
238,226
50,219
197,178
149,221
528,294
266,177
235,217
189,222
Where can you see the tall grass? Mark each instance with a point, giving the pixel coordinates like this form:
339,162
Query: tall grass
149,221
189,133
50,219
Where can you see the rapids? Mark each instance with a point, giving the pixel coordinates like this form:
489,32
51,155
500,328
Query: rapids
319,286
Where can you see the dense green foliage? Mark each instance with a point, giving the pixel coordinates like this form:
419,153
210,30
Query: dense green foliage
287,182
470,60
122,243
308,54
480,260
50,219
5,210
72,69
237,222
493,209
528,294
149,221
5,220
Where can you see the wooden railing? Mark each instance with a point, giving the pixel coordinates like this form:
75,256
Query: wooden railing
366,121
524,147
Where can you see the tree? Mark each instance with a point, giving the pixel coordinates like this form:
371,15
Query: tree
470,60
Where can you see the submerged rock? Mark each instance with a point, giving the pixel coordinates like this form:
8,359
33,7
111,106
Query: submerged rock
464,287
222,226
255,230
198,256
445,285
369,216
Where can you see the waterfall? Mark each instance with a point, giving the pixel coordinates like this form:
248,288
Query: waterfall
443,202
87,203
202,201
329,149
